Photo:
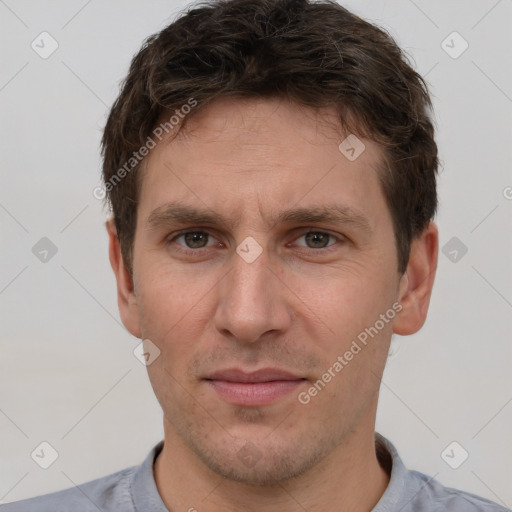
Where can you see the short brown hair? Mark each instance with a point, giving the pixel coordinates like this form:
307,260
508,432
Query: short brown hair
315,53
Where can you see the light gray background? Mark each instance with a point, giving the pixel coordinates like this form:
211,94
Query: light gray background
67,369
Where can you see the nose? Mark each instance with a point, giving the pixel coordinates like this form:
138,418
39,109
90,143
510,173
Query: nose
253,300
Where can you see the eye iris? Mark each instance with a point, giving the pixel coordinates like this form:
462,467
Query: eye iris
196,239
319,240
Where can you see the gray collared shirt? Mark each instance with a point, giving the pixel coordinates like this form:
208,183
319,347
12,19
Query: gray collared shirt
134,490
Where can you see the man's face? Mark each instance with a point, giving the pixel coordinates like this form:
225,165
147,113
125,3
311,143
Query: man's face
296,306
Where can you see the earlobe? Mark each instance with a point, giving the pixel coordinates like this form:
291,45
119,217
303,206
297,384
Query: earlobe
126,298
416,284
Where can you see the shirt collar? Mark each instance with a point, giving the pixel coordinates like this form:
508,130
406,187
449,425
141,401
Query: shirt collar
390,460
143,488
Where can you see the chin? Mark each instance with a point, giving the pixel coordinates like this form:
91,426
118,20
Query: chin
260,463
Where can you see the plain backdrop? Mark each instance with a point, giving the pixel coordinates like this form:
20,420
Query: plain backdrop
68,375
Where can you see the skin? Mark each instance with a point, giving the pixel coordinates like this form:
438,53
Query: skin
297,307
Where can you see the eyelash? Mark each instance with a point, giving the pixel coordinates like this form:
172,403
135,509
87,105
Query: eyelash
200,251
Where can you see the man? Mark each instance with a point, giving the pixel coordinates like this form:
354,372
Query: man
271,169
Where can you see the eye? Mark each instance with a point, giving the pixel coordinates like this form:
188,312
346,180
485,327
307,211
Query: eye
194,239
318,240
196,242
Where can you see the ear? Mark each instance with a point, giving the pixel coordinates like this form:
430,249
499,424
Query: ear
416,284
126,298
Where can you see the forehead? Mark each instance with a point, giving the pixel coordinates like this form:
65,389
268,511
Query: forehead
262,154
246,116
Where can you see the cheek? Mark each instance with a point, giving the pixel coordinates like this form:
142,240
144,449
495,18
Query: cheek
167,293
170,317
161,307
345,299
175,307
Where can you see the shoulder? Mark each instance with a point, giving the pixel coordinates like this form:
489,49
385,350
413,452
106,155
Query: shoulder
412,491
437,498
109,493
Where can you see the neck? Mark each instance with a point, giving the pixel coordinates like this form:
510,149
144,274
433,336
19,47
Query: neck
350,479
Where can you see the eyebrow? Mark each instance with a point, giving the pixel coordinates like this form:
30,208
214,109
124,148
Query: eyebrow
179,213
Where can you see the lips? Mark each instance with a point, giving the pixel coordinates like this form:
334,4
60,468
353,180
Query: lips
258,388
263,375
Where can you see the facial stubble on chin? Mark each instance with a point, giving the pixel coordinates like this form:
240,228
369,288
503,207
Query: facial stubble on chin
277,462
